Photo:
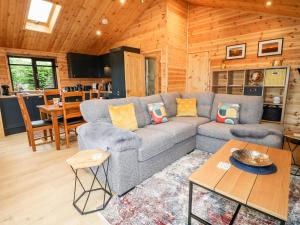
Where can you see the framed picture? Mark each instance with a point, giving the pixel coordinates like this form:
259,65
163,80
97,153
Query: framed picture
270,47
236,51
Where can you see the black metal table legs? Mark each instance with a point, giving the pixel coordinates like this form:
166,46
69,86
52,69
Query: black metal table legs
106,189
191,215
293,149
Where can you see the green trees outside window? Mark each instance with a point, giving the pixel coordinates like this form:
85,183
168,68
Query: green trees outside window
28,73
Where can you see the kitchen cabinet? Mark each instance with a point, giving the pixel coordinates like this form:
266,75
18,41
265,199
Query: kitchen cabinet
11,113
83,66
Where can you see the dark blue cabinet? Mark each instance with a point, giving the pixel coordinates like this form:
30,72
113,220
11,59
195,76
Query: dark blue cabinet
11,113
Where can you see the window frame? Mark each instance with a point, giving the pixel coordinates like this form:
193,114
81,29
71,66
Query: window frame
34,69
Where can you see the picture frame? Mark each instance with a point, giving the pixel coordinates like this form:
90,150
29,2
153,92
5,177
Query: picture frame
270,47
236,51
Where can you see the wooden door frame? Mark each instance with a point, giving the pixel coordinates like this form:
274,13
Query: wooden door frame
156,54
188,69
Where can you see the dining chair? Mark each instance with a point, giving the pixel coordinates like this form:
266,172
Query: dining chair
72,117
49,94
93,93
33,127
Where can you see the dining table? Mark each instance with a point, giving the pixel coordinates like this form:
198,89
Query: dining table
54,111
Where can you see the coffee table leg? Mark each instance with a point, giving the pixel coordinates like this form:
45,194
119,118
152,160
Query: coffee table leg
190,202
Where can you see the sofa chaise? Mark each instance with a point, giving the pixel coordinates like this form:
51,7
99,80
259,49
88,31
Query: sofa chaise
152,147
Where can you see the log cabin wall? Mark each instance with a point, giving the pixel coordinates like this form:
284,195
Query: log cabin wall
212,29
61,62
177,15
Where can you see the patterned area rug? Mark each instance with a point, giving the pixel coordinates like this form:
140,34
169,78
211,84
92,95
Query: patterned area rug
163,199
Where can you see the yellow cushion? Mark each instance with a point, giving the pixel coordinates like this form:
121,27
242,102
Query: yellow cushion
123,116
186,107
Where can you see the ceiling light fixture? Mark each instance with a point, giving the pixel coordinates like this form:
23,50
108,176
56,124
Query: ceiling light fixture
122,2
268,3
104,21
98,32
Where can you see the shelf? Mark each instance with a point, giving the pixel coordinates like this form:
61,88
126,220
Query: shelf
236,85
274,86
270,121
224,86
271,103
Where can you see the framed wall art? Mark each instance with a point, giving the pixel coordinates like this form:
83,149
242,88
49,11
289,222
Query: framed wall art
270,47
236,51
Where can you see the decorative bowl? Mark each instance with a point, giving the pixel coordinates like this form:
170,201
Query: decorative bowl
252,158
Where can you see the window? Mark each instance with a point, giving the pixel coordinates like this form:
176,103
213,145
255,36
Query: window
42,15
28,73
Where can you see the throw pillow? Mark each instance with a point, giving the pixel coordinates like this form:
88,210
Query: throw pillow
157,113
228,113
186,107
123,116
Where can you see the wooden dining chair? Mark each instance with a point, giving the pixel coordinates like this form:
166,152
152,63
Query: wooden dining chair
72,117
34,126
94,93
49,94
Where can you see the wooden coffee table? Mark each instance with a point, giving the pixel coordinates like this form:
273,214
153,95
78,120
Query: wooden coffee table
265,193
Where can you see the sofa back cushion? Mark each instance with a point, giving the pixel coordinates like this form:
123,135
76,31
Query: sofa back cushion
97,110
251,107
204,102
149,100
169,99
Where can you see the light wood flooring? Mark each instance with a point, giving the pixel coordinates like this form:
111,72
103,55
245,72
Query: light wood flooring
37,187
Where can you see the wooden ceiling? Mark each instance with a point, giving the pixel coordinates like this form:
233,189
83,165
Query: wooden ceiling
75,29
279,7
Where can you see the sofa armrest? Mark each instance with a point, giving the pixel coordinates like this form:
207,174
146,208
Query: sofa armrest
123,145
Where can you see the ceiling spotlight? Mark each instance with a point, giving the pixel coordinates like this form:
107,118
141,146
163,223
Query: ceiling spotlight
268,3
104,21
122,1
98,32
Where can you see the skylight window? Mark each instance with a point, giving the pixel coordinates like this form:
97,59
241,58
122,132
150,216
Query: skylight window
40,10
42,15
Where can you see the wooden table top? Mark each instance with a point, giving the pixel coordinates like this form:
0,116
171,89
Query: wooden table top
50,108
88,158
267,193
292,135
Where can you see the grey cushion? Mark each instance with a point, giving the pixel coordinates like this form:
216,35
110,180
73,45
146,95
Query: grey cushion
97,110
169,100
148,100
179,131
195,121
251,106
204,102
153,142
256,131
222,131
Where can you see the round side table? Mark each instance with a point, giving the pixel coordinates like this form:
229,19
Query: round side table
87,159
293,138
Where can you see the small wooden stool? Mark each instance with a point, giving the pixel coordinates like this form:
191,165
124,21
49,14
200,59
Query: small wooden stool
87,159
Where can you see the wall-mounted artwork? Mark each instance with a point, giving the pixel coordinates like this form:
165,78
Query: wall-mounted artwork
236,51
270,47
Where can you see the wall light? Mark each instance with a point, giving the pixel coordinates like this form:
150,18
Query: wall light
268,3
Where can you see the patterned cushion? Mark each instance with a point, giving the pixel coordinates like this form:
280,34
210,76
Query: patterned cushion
228,113
158,113
123,116
186,107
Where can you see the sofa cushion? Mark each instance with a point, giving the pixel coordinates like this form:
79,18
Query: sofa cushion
179,131
153,142
169,100
195,121
97,110
251,107
149,100
222,131
186,107
204,102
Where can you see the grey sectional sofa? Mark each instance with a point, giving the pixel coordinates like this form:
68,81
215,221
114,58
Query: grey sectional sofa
151,148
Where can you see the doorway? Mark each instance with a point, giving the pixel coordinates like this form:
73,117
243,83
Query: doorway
153,72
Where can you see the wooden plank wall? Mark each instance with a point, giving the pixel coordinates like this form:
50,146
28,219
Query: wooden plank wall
177,14
61,61
211,29
148,33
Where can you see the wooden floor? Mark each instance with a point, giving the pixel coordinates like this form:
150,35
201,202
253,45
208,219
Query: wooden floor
37,188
